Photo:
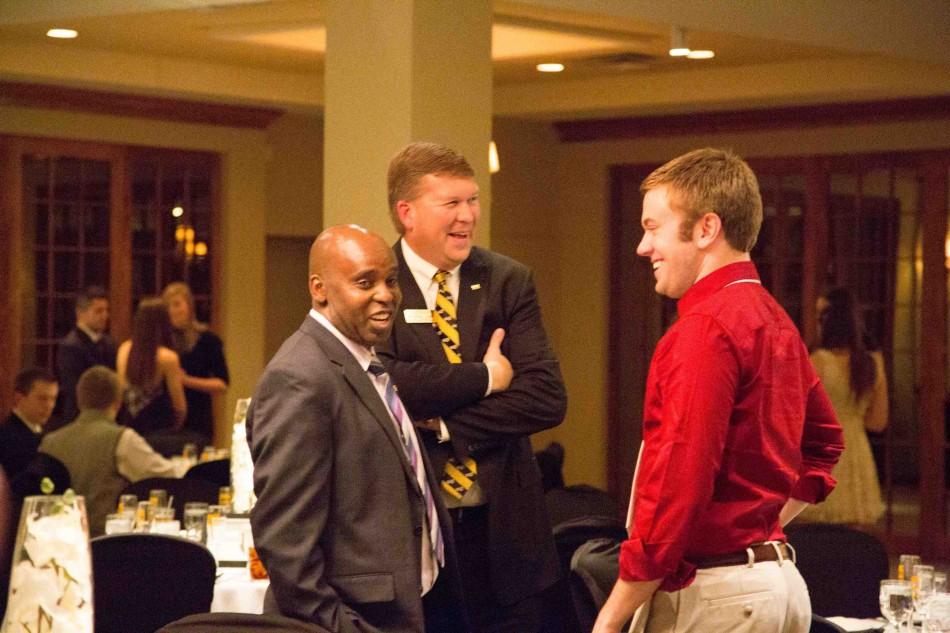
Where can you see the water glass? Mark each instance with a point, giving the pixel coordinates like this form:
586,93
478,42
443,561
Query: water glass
127,503
143,516
196,521
937,618
940,582
896,600
906,565
922,580
118,523
158,498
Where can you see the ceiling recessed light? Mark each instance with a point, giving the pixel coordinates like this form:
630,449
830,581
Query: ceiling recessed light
62,34
550,68
701,54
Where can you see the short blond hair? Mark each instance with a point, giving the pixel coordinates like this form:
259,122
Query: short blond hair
713,181
412,164
98,388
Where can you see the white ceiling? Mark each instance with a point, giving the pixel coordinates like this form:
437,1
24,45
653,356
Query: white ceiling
270,52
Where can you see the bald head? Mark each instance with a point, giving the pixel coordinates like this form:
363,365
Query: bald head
352,280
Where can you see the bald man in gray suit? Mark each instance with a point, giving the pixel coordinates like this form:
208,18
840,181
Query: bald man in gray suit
346,521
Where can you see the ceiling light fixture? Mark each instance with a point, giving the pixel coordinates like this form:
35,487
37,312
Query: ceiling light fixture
701,54
550,68
678,44
62,34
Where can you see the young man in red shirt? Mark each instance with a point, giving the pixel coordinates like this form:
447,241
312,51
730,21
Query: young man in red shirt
738,433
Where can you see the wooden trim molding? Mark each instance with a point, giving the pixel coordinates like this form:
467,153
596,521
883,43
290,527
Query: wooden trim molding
141,106
829,114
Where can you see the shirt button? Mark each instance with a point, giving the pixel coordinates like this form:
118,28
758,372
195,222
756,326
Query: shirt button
748,610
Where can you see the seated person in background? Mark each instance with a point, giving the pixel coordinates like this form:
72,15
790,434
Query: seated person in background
151,372
102,456
34,396
204,370
857,386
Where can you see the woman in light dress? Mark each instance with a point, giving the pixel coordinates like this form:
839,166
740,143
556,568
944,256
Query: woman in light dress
857,386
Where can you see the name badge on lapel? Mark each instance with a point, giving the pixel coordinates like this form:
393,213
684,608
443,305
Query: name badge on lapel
415,315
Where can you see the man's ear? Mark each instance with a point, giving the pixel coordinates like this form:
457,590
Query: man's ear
707,229
406,214
318,289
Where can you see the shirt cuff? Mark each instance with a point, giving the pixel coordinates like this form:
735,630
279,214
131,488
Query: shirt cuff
636,564
813,487
443,434
488,390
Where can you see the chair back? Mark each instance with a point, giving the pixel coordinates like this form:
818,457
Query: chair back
842,566
217,471
183,491
239,623
41,466
9,513
144,581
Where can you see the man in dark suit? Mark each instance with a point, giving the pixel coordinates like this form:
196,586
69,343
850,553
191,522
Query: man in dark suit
474,367
85,345
34,396
347,520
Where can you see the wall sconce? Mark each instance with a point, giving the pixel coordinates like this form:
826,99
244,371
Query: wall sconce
493,165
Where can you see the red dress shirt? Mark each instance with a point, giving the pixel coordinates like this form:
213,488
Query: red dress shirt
735,422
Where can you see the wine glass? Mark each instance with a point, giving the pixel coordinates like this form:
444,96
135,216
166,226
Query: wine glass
896,599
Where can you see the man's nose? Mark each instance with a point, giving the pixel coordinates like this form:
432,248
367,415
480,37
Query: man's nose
644,247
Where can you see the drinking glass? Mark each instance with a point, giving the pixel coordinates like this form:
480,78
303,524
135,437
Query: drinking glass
127,503
896,601
906,565
922,581
937,619
940,582
164,522
143,516
158,498
118,523
190,452
196,521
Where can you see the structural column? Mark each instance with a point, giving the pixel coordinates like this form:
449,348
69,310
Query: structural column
400,71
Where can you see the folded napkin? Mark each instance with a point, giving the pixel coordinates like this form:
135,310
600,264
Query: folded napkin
859,625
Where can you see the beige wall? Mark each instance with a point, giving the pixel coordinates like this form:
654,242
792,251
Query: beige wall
295,176
571,262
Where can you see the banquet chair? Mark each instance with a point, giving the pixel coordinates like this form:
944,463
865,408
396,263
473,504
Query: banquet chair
239,623
144,581
9,513
41,466
183,491
842,568
217,471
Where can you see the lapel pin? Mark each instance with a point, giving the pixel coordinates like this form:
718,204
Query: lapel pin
475,286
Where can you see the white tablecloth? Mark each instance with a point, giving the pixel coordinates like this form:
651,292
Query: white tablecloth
236,592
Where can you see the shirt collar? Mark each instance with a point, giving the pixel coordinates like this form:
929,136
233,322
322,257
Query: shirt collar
419,267
36,428
92,334
714,282
362,354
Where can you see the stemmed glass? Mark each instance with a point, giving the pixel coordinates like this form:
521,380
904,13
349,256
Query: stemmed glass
937,619
896,599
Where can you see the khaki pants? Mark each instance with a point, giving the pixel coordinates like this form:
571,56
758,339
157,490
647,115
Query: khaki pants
768,597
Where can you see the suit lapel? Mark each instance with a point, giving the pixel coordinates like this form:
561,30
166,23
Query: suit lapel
412,299
473,288
365,391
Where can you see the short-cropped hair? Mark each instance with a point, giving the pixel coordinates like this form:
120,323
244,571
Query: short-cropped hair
98,388
24,381
88,295
413,163
713,181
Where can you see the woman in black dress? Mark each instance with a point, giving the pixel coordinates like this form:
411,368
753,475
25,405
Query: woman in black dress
205,371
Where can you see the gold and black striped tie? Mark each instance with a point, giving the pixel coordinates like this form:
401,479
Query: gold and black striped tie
457,477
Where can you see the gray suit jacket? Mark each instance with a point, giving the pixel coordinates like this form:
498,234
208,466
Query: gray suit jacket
339,517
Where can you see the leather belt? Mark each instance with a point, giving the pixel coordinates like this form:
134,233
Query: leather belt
755,553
